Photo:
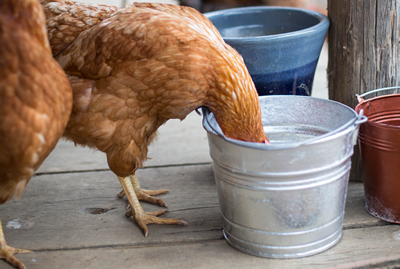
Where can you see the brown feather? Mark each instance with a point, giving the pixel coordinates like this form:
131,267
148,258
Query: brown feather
35,96
146,64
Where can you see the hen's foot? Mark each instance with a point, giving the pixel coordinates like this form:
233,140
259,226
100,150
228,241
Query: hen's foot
7,252
145,195
141,217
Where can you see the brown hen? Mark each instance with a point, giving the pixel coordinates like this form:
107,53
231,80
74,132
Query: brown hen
35,101
144,65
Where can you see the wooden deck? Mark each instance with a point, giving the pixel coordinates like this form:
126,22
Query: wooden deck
70,217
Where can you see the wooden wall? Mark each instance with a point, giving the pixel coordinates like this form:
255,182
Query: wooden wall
364,49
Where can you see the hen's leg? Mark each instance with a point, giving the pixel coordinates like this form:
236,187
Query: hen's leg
141,217
144,195
7,252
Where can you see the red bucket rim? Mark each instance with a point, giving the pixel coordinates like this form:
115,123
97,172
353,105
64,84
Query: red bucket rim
373,121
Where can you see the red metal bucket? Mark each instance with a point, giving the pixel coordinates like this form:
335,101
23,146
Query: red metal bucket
379,140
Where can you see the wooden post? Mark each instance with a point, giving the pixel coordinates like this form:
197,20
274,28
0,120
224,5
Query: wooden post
364,50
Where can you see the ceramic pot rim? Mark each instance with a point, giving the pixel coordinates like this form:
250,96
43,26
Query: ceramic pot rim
322,25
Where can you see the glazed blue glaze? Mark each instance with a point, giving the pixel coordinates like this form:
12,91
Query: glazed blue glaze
297,81
280,45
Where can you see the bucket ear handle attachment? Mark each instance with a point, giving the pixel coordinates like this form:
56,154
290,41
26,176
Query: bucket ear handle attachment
360,120
359,98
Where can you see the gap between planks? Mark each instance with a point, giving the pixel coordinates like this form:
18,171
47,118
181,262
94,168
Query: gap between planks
107,169
133,246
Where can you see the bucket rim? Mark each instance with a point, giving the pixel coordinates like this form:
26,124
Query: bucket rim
350,126
363,101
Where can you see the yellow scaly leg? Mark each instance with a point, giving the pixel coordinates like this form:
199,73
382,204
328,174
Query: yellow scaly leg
141,217
7,252
144,195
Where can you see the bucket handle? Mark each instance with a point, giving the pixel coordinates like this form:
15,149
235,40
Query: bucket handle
360,97
360,120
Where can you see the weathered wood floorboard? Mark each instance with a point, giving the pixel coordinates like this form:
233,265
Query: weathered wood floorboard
57,214
55,210
353,251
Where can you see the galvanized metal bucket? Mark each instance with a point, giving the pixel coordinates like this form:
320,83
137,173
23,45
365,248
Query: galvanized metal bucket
379,140
286,200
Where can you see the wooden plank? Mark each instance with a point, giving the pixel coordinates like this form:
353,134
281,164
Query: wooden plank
358,247
54,212
364,47
178,143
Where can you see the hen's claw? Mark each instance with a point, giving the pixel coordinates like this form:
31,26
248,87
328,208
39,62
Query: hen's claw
142,222
141,217
144,195
145,218
7,252
156,192
121,194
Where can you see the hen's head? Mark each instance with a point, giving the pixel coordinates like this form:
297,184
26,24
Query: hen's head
234,99
231,96
211,70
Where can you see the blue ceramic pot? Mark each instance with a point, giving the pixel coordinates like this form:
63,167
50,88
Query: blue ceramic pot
280,45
